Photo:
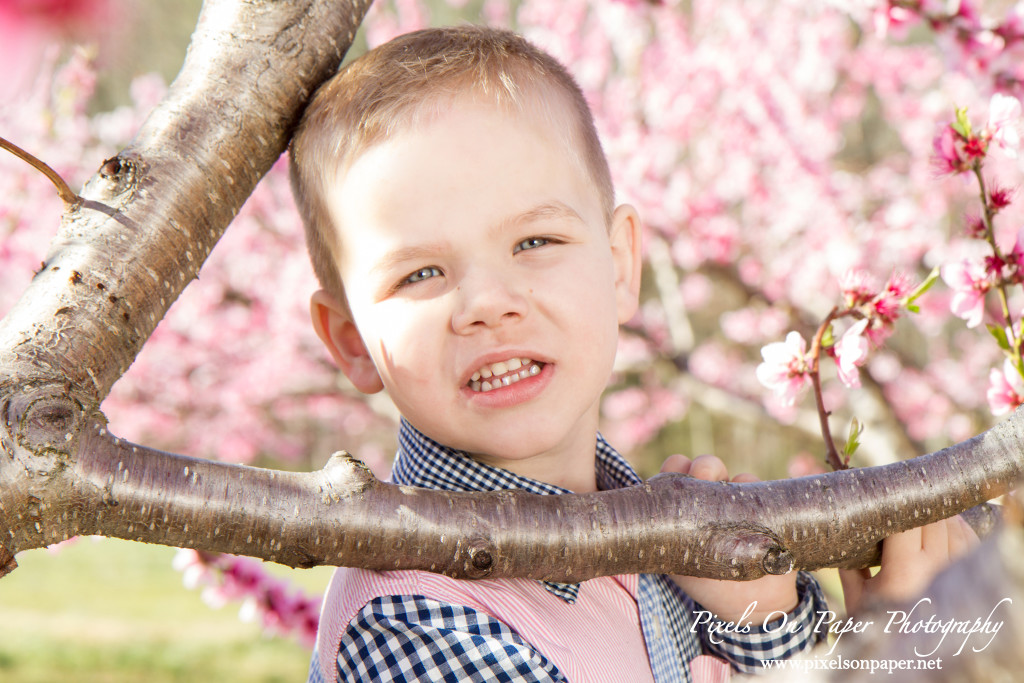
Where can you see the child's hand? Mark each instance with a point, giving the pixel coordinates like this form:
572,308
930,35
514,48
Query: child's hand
910,561
730,599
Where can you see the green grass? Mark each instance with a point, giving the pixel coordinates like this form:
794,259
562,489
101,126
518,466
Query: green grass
113,612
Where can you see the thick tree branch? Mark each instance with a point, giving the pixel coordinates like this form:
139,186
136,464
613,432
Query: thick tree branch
111,274
342,515
228,116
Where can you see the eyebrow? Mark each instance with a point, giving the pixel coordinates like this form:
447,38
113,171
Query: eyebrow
404,254
545,211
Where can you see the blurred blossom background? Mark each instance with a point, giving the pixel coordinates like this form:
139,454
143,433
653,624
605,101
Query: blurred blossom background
777,150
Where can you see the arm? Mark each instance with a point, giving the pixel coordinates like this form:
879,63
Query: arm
782,636
732,600
778,614
414,638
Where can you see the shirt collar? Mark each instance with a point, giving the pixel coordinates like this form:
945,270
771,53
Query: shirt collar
423,462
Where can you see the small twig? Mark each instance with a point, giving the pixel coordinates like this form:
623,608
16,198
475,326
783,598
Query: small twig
987,218
831,454
63,191
1013,338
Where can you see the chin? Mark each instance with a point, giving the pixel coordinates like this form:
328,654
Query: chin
524,449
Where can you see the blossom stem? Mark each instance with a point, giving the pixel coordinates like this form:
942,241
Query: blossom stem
63,191
988,216
831,454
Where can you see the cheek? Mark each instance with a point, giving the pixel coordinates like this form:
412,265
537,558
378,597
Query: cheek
589,308
403,336
590,291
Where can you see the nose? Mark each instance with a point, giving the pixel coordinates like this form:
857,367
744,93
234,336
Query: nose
488,299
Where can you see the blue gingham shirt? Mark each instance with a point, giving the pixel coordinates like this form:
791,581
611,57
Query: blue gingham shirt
414,638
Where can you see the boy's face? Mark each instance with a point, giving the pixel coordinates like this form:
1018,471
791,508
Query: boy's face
484,288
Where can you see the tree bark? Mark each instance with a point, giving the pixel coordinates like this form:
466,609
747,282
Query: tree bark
146,222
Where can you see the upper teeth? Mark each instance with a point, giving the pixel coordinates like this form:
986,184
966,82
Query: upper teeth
498,369
497,374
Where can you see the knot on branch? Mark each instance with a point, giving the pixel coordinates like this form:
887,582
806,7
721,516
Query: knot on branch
481,559
751,553
777,561
343,476
44,419
115,177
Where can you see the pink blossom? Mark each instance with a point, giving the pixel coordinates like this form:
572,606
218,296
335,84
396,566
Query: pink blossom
889,20
226,578
1009,266
948,157
635,415
1004,115
714,363
751,324
975,148
1001,197
785,370
969,282
850,352
28,27
898,286
975,227
857,287
889,301
881,308
1006,389
57,547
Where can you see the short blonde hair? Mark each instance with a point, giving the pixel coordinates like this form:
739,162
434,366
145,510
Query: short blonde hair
394,85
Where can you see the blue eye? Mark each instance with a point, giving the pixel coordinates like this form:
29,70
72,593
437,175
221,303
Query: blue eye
530,243
422,274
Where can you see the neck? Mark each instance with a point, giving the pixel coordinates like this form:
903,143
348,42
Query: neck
570,465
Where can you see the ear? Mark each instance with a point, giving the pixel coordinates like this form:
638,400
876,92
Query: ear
334,325
625,237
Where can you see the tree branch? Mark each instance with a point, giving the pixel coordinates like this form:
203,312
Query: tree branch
342,515
110,276
63,191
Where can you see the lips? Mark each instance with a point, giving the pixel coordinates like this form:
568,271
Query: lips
503,373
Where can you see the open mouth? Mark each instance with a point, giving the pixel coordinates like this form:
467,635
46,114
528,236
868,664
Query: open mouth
504,373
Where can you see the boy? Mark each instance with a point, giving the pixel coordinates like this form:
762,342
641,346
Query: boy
460,218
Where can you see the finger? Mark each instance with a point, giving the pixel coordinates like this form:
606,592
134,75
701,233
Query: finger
709,468
972,536
852,581
901,548
745,478
677,463
935,540
962,538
